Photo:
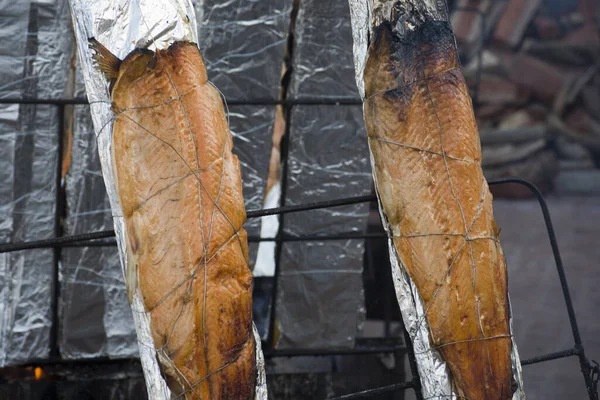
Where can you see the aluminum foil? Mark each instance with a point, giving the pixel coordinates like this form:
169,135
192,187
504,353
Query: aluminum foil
323,51
125,25
243,45
320,293
92,275
435,378
96,319
34,63
252,130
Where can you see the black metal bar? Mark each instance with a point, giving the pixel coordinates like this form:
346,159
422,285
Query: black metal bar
272,353
63,241
57,102
252,239
310,206
413,365
58,211
68,363
333,101
268,353
583,362
551,356
578,350
316,238
95,243
377,391
553,244
284,150
54,242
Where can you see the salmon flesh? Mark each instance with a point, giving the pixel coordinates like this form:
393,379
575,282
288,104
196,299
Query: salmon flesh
180,191
427,166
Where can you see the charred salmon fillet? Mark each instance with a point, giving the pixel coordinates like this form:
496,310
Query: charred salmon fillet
180,191
427,167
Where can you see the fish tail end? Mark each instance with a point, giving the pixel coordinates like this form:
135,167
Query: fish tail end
107,62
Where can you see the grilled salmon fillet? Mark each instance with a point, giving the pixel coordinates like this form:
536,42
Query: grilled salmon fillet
427,166
180,191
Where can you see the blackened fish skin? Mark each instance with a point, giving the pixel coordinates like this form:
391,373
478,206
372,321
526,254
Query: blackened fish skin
427,166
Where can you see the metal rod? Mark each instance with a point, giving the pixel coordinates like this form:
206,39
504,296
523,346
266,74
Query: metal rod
58,242
58,211
62,241
583,362
317,238
57,102
413,365
333,101
311,206
271,353
551,356
252,239
377,391
54,242
284,150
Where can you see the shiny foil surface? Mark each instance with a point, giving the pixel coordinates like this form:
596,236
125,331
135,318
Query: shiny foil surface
327,159
435,378
126,25
34,56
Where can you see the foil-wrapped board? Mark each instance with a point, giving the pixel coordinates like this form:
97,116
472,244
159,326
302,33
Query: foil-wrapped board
128,25
34,63
243,46
327,159
93,274
434,201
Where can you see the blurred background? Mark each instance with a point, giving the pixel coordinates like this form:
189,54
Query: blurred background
326,309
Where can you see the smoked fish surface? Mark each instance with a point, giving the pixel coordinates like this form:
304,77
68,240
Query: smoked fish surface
180,190
427,166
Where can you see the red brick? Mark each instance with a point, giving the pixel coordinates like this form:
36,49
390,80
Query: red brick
486,112
516,120
540,169
495,90
515,19
467,24
580,120
544,80
588,33
547,28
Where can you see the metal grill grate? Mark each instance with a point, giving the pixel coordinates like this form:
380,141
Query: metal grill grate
590,371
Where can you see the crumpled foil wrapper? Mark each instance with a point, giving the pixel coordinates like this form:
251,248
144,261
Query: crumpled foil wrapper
127,24
320,302
34,63
436,381
93,274
96,319
243,46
